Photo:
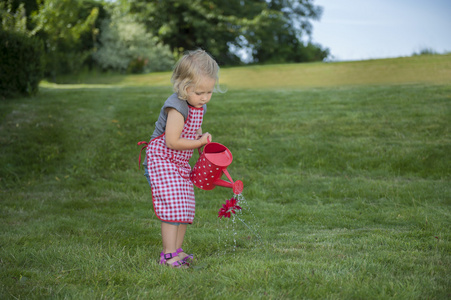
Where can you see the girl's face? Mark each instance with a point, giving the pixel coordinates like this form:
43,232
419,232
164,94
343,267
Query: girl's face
201,94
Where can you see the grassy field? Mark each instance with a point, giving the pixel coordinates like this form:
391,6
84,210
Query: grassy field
346,168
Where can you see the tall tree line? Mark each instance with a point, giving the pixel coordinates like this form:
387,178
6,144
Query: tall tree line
94,33
276,31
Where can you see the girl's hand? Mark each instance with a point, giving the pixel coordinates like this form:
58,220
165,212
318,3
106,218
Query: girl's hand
198,133
174,128
205,138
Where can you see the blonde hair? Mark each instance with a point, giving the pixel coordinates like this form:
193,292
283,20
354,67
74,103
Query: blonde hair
190,69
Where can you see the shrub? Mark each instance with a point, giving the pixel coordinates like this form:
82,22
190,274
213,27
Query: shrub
126,46
425,51
21,67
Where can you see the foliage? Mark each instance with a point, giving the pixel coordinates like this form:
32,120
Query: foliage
73,30
348,186
13,19
426,51
273,30
22,8
20,62
277,34
125,45
63,24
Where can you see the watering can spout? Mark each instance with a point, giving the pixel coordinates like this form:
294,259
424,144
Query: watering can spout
236,186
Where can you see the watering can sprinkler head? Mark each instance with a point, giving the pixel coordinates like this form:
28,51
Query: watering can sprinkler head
210,166
236,186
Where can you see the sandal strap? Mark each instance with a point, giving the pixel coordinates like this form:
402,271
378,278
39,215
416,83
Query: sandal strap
189,256
167,256
178,264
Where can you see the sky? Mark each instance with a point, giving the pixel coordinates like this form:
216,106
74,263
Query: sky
371,29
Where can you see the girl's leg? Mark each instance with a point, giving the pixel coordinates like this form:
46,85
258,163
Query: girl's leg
180,237
169,234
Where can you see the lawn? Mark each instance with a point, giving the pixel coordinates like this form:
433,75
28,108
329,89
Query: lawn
346,172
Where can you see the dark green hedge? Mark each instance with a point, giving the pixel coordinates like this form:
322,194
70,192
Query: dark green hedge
21,64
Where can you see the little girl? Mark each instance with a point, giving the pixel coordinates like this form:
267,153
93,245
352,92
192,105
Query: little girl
178,131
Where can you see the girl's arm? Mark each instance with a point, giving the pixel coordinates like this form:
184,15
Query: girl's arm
174,128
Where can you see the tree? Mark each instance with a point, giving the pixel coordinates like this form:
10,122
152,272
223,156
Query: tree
126,46
278,33
189,24
63,24
274,30
22,8
13,18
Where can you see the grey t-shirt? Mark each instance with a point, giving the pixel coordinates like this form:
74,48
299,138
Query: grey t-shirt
172,102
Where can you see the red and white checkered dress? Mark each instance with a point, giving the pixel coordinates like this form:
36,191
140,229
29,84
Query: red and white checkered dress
169,170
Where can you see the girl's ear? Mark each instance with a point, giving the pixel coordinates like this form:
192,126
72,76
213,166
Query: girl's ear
186,90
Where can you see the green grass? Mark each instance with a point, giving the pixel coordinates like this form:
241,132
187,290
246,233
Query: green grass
425,69
347,187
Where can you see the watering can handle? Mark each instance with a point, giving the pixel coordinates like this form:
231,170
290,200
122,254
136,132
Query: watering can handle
198,149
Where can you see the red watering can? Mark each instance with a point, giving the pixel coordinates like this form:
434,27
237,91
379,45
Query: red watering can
212,162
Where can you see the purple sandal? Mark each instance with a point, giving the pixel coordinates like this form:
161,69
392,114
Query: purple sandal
178,264
189,257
